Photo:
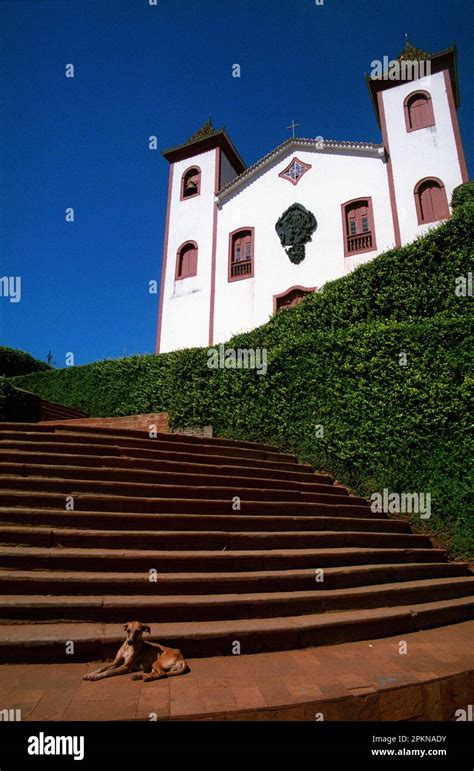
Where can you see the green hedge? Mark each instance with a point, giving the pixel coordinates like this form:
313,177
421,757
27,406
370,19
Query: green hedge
462,194
107,388
17,406
404,428
14,362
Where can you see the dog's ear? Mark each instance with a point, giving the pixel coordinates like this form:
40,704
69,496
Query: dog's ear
147,629
125,627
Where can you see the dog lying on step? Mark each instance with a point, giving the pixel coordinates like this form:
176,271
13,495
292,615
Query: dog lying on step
154,660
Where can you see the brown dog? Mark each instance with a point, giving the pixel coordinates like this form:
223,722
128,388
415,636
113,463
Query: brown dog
153,659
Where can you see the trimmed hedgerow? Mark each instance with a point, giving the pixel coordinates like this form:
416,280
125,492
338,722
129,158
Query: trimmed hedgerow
14,362
385,425
109,388
17,406
462,194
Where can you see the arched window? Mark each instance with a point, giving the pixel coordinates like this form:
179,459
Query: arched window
418,111
431,200
358,225
191,182
186,260
241,256
291,297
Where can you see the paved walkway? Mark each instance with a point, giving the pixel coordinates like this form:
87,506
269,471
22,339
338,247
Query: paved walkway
366,680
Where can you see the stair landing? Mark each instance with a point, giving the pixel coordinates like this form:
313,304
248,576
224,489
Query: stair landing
365,680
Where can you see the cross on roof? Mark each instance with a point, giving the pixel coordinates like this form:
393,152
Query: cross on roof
293,127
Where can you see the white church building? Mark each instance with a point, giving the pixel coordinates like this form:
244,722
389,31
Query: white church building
242,243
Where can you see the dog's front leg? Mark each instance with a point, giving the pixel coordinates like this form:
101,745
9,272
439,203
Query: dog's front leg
93,675
109,672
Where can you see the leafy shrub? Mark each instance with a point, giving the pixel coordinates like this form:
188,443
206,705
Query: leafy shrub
462,194
107,388
14,362
17,406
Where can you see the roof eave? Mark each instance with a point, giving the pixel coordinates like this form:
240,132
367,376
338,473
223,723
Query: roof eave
219,139
295,144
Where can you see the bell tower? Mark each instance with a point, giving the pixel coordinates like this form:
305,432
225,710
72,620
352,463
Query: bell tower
198,168
416,98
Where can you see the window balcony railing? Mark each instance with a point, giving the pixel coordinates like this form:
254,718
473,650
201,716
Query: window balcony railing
359,243
242,268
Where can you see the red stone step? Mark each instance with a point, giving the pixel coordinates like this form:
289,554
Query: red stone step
106,473
205,539
101,502
47,642
123,461
161,444
116,521
189,492
63,582
19,443
139,465
204,561
109,431
231,606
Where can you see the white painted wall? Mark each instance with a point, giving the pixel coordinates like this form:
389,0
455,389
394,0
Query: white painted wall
335,177
228,172
427,152
186,302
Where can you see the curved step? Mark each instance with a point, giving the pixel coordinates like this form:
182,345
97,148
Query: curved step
47,642
123,503
109,474
208,539
125,461
215,607
96,431
205,561
171,448
230,523
60,582
159,490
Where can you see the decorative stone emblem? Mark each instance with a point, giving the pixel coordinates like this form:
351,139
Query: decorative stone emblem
294,228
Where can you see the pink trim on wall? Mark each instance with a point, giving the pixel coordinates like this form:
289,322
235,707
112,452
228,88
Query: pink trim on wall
431,119
306,289
177,277
212,298
391,184
370,214
306,167
231,278
194,195
164,259
443,214
457,133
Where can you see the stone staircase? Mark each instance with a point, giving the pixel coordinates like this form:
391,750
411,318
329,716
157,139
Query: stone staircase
155,534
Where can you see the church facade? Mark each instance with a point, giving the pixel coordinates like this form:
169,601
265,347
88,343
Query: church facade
243,242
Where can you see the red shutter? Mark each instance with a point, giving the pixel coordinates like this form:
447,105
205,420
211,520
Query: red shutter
433,202
187,261
420,111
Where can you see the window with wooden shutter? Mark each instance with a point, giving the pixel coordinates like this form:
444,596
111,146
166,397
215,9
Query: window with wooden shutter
418,111
186,260
431,201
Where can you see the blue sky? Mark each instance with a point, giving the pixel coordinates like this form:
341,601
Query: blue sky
162,70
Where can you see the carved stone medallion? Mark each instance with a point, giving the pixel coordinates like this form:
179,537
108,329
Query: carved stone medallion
295,228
